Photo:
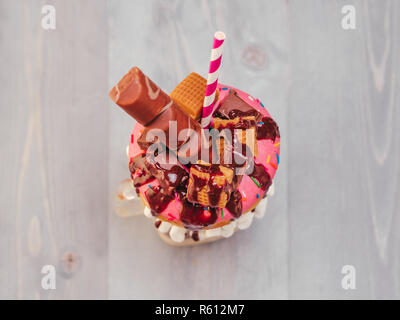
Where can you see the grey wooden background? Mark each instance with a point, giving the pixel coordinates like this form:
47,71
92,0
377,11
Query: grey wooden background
334,93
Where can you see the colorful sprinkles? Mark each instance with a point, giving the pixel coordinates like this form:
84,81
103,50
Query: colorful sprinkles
222,213
224,88
277,144
258,196
268,158
274,165
131,138
277,158
262,104
256,182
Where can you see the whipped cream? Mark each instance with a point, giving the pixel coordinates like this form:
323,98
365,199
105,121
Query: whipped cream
177,234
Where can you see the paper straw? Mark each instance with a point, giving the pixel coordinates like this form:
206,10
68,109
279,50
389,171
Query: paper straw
212,79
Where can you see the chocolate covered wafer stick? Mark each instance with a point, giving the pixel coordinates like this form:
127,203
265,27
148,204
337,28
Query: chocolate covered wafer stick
140,97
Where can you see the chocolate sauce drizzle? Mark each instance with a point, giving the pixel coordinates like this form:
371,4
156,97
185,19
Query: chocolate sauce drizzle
139,173
195,236
170,176
234,204
176,176
157,224
267,129
262,176
173,179
194,217
215,189
158,200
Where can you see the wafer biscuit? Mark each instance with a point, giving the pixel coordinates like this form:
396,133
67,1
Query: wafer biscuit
189,95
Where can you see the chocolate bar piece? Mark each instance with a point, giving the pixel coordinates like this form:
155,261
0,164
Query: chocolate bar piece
140,97
195,217
172,120
234,204
139,172
210,184
233,106
169,172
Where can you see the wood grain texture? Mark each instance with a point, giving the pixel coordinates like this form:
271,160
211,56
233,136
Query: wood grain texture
344,150
334,93
54,150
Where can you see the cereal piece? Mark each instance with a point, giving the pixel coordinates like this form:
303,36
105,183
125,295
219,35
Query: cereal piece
243,127
210,185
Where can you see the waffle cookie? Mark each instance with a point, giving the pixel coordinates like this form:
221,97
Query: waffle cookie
210,184
244,128
189,95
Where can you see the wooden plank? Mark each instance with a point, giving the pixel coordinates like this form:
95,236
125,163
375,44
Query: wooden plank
54,195
344,150
175,40
333,92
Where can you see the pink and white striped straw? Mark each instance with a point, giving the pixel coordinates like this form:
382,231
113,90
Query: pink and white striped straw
212,79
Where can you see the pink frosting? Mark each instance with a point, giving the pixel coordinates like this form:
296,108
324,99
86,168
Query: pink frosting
268,155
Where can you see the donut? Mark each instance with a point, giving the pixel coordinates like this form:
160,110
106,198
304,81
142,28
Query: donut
178,214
